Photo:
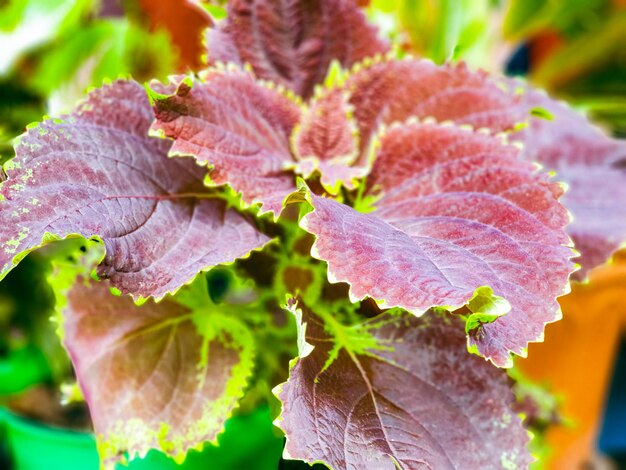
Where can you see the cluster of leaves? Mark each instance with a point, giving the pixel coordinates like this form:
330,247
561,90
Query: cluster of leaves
409,227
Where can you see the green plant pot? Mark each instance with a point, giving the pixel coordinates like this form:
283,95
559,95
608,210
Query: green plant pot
21,369
249,442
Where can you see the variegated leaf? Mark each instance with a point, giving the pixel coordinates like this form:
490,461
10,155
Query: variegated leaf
160,376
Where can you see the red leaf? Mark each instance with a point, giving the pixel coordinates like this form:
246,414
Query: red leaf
239,127
385,91
97,173
158,376
293,42
327,140
418,400
470,216
326,131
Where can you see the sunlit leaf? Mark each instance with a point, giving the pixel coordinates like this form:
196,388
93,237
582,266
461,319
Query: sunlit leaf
27,24
96,173
469,214
239,128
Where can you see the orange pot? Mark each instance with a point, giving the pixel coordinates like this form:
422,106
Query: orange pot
576,361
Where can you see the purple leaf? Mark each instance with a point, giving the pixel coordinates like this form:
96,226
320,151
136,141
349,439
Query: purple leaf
384,91
293,42
414,399
469,214
96,173
327,140
597,200
326,131
159,376
592,164
238,127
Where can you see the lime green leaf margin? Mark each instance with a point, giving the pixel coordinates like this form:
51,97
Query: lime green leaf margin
122,375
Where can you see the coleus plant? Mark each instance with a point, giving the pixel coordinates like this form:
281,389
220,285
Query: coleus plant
393,206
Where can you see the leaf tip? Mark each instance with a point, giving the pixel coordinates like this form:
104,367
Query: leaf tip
301,195
541,113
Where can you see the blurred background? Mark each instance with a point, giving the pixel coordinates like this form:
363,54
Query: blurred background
572,388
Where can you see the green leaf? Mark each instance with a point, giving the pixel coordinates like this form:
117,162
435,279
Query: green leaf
541,113
31,23
486,308
441,29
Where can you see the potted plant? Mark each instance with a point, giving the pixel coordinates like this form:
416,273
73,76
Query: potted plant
32,364
372,212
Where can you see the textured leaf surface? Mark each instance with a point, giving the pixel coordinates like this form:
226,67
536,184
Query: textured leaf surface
327,131
293,42
418,401
466,212
384,91
96,173
594,167
327,140
157,376
239,127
